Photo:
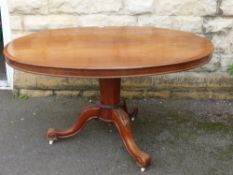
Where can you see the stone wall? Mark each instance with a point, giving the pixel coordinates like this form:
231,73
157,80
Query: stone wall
212,19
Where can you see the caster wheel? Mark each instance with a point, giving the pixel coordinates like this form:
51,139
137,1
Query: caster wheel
143,169
51,142
133,114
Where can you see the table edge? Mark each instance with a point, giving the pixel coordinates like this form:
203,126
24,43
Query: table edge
108,73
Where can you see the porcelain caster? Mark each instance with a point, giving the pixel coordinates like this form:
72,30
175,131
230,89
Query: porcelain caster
143,169
134,114
51,142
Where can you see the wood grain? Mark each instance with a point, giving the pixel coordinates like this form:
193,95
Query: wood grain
108,52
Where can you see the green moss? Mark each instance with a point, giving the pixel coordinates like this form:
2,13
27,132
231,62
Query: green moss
179,118
18,96
214,126
15,93
22,97
230,69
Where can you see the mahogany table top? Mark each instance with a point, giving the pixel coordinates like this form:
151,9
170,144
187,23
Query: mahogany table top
108,52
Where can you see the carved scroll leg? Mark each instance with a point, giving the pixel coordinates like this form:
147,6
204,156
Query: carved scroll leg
122,122
132,112
90,112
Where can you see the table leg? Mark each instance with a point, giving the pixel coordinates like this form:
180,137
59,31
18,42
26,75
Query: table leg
122,121
89,112
109,110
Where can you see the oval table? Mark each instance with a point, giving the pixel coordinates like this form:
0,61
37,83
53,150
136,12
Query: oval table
108,54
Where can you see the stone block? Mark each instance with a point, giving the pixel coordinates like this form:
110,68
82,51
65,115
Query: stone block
223,43
203,95
226,61
191,24
196,81
28,7
139,6
84,6
179,81
226,7
82,83
35,93
90,94
212,66
157,94
187,7
197,95
32,23
24,80
30,81
213,25
222,95
132,94
67,93
16,22
179,85
155,21
219,82
106,20
47,82
137,83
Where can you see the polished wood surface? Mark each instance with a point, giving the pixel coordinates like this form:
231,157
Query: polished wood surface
111,110
108,52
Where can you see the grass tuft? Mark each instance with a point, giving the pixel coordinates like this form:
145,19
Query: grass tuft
230,69
23,97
